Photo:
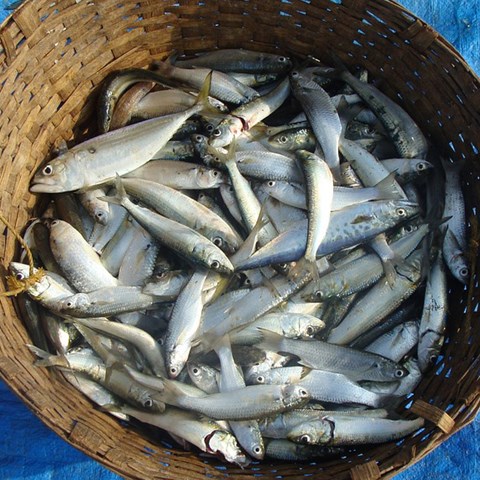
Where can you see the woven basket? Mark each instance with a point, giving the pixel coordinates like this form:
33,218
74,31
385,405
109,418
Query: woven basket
54,56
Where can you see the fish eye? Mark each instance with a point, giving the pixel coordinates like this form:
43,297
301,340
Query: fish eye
433,358
257,450
54,223
318,294
148,403
260,379
303,393
463,272
294,74
401,212
210,128
217,132
309,330
247,282
421,166
69,304
399,373
47,170
198,138
215,173
409,228
215,264
173,370
19,276
217,241
305,438
282,59
283,139
91,150
271,183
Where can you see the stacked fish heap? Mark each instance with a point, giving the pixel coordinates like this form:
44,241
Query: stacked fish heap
249,256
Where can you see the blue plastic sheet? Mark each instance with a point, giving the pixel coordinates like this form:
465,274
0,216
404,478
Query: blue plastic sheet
29,450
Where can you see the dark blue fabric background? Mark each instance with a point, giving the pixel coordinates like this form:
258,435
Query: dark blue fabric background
29,450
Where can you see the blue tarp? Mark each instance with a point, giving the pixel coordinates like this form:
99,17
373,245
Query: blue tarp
29,450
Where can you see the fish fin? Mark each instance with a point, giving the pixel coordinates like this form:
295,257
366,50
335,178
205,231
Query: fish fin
203,94
120,194
171,392
223,343
258,132
53,361
388,188
172,58
312,267
47,359
164,68
187,446
389,401
270,340
305,372
62,147
94,341
252,238
389,271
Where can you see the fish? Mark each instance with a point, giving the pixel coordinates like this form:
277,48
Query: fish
98,160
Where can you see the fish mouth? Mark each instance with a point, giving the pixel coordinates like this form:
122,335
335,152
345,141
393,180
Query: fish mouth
45,188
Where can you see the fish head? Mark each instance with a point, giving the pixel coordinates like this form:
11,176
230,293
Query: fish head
201,374
149,402
217,105
58,175
282,141
429,348
384,370
402,209
176,358
422,166
459,267
255,377
74,303
302,327
225,132
217,260
318,432
59,228
200,143
209,177
224,443
256,447
21,272
295,395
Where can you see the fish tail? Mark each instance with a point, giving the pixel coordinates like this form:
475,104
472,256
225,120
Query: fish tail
389,271
47,359
388,188
202,102
311,266
164,68
258,131
271,340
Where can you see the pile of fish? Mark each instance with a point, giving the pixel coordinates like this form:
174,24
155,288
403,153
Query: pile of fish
251,255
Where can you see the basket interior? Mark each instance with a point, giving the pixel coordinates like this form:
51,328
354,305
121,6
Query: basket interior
53,57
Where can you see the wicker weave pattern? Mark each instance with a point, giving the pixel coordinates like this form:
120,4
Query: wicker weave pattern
52,58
